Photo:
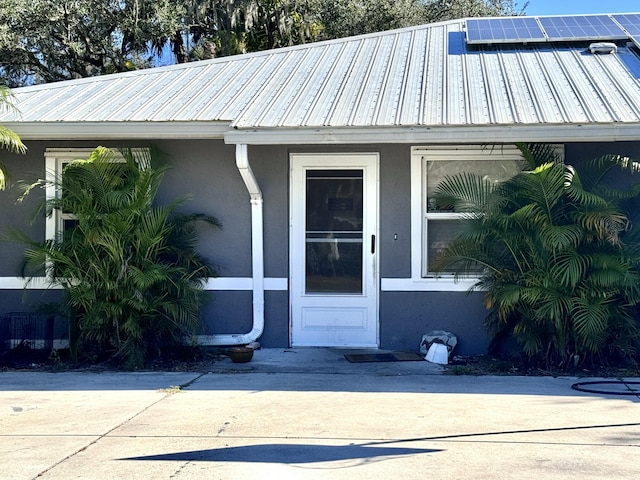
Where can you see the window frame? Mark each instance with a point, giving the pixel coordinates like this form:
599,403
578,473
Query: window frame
420,216
55,161
475,153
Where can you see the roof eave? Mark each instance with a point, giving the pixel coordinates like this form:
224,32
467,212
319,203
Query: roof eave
117,130
553,133
542,133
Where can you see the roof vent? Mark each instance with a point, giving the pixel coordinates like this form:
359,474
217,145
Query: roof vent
603,47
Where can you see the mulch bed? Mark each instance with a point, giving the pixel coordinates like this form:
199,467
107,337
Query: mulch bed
186,359
486,365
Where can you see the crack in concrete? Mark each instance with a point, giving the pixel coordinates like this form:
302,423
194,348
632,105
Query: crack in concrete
121,424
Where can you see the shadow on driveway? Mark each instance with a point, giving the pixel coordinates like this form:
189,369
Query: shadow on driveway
286,453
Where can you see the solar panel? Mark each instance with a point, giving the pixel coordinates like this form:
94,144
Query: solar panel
586,27
630,22
554,29
504,30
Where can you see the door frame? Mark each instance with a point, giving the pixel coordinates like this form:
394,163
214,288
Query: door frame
369,163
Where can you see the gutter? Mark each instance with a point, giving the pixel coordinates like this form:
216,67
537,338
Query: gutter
440,134
257,258
118,130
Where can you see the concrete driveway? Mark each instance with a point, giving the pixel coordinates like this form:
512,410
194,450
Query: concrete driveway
297,415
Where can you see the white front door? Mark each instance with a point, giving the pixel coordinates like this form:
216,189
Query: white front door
333,239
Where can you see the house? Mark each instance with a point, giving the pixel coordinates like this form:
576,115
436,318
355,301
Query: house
320,160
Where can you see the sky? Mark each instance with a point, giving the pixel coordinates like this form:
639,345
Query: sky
569,7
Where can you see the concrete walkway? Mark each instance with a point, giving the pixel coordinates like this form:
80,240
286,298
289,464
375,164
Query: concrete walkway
307,414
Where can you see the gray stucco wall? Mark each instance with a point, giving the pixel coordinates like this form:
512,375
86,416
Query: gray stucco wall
23,168
574,152
409,315
270,165
206,171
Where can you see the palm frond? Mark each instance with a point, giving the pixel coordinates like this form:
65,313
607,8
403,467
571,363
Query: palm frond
578,193
590,320
570,268
551,253
463,258
603,223
10,140
537,154
596,171
130,267
465,192
543,187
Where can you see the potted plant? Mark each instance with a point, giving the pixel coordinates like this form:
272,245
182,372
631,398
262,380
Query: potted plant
240,354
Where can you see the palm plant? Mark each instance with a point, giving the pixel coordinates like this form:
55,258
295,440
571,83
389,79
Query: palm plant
8,139
129,267
550,253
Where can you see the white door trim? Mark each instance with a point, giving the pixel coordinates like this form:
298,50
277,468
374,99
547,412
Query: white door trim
334,320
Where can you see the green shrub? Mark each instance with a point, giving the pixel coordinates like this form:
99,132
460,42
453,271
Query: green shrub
551,247
130,270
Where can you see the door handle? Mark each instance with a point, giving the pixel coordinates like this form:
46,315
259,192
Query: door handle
373,244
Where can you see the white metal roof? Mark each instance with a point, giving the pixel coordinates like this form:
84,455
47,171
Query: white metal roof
412,78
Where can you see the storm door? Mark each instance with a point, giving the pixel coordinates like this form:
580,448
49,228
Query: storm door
334,281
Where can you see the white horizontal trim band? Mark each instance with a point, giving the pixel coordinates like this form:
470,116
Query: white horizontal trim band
425,285
221,283
246,283
282,284
19,283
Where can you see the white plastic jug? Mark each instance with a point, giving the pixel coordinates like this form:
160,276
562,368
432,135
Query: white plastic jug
438,353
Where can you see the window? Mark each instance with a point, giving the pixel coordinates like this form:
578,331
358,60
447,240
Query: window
438,227
56,159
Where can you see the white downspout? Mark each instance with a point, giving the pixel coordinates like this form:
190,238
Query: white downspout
257,257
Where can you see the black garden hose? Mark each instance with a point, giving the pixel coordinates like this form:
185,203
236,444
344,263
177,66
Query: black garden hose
580,386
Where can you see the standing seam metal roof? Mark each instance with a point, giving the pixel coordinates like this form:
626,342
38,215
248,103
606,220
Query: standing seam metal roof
418,76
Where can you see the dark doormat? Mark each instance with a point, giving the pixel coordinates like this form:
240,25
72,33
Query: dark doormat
383,357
